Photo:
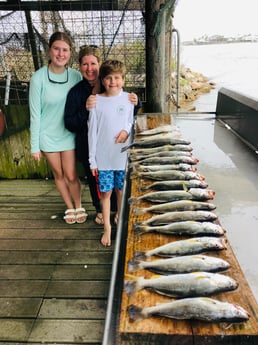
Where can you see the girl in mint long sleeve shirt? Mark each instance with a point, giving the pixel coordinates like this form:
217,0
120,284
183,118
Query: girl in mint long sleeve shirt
49,87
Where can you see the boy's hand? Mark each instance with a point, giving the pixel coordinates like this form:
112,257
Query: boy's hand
121,137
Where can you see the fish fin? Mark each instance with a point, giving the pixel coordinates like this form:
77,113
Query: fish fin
140,255
134,312
132,200
133,265
143,188
133,175
131,286
138,228
125,148
138,211
185,188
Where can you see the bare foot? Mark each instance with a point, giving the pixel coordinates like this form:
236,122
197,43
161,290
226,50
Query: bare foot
106,237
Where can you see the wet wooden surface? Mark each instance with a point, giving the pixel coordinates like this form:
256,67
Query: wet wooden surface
54,277
157,330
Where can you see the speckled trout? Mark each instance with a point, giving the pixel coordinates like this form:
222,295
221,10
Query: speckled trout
167,175
189,228
177,216
157,141
174,185
157,130
183,285
190,246
173,195
179,205
180,264
167,154
180,166
196,308
151,150
174,159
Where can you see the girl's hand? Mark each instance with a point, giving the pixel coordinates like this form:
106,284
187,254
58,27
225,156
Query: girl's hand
133,98
91,102
121,137
36,156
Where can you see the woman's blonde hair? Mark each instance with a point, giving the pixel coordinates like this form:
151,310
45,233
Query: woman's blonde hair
90,50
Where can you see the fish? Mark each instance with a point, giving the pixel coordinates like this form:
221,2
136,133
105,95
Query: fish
180,264
157,141
167,175
174,185
178,216
182,285
165,148
189,246
189,228
157,130
173,195
176,159
180,166
178,205
138,158
196,308
158,136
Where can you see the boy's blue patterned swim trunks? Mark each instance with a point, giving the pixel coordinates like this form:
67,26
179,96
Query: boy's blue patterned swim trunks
108,179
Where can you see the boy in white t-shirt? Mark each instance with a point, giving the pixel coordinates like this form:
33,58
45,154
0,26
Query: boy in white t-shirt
109,127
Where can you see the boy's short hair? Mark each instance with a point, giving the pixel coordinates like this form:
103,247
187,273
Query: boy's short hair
112,66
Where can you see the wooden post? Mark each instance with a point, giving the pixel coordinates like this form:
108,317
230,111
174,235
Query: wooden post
158,23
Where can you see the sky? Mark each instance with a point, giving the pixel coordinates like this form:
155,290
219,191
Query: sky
196,18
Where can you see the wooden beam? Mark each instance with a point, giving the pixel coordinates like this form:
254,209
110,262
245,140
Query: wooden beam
77,5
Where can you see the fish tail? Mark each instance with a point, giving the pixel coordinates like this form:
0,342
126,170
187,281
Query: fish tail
132,200
134,312
133,265
133,175
138,228
140,255
142,188
138,211
125,148
131,286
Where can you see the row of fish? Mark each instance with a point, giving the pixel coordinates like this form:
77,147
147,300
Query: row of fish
179,200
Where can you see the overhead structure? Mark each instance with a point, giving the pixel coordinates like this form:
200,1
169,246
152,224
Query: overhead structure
136,31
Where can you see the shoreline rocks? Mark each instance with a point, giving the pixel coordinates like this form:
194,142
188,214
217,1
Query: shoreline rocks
192,85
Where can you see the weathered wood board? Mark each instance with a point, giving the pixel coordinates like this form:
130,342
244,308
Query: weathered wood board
161,330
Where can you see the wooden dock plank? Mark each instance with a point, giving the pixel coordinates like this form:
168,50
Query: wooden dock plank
54,277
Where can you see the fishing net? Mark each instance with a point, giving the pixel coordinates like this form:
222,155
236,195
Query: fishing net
117,27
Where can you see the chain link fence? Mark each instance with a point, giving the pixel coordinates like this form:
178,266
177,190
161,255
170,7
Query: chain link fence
24,35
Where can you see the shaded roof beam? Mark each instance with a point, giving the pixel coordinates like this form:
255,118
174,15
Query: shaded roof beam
67,5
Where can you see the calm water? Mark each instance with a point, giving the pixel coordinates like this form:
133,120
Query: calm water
233,66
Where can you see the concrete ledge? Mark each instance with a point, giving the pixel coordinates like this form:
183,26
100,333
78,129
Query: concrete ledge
240,113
